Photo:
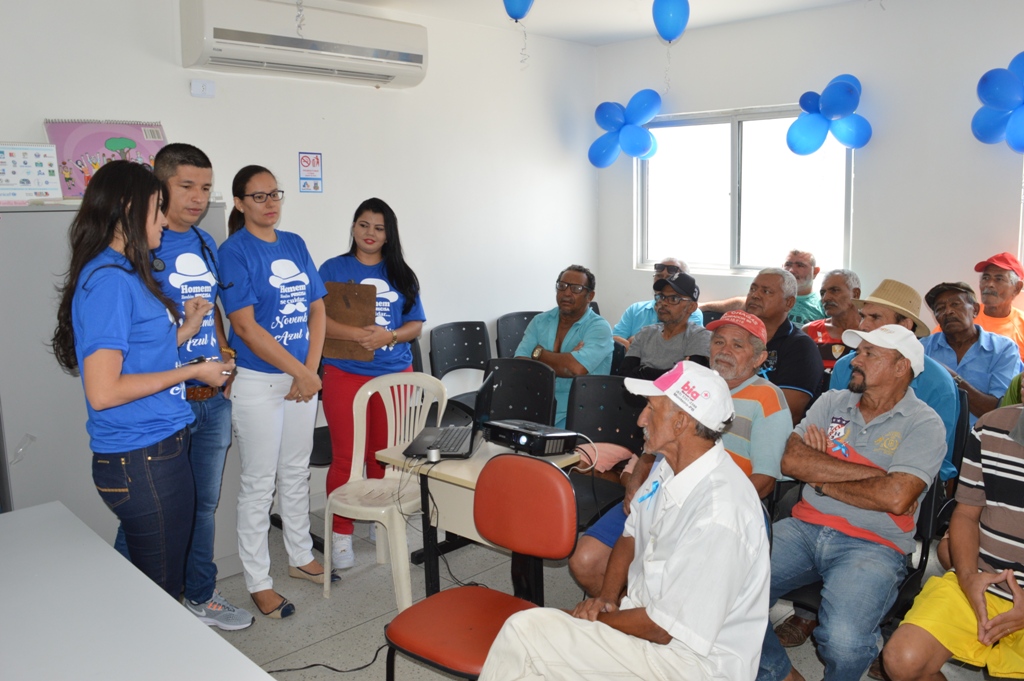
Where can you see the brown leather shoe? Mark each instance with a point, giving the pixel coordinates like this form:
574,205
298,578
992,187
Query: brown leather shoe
876,671
794,631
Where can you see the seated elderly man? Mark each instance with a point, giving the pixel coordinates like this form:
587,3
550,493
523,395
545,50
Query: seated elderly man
572,339
641,314
793,363
754,440
657,348
868,455
974,613
686,593
839,290
980,362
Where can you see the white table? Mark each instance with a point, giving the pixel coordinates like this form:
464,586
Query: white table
74,608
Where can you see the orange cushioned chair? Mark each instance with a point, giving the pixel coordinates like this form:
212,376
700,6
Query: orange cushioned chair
523,504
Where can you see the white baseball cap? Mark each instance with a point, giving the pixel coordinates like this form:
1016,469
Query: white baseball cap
893,337
697,390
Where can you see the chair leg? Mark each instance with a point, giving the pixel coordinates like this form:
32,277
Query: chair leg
395,527
383,552
328,537
390,673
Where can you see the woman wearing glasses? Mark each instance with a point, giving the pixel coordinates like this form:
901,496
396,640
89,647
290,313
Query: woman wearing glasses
277,328
375,257
116,327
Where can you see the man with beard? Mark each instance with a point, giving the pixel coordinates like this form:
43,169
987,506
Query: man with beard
839,290
755,439
868,455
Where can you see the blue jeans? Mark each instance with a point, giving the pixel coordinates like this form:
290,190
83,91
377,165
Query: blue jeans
211,437
861,579
150,490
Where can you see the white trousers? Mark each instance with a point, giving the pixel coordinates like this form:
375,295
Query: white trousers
275,438
545,643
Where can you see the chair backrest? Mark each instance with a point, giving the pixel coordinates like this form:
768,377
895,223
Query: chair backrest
595,307
459,345
711,316
963,427
618,354
407,397
417,354
511,328
601,408
526,505
523,389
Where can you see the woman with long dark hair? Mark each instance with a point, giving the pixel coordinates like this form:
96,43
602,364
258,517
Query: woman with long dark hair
120,332
375,257
277,327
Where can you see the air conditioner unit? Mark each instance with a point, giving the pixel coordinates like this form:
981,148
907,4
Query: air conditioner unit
261,36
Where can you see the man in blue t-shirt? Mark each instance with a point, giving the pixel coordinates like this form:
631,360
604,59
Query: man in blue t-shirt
186,267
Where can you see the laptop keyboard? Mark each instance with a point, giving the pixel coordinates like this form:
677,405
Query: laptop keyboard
453,439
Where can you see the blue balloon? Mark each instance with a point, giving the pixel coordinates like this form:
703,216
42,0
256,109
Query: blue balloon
810,102
604,150
847,78
517,9
634,140
671,17
989,125
642,107
807,133
1017,66
852,131
610,116
839,99
1015,131
1001,89
654,148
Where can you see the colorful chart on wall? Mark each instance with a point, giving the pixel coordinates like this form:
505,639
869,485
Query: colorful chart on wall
28,172
83,146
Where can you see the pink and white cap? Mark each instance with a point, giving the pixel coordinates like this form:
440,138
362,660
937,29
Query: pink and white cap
697,390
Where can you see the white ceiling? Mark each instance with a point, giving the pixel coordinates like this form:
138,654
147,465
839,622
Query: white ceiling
595,22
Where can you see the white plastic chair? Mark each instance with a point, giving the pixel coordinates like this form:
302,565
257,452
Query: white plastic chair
407,397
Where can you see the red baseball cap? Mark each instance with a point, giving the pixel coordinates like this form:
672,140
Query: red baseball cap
1004,261
744,320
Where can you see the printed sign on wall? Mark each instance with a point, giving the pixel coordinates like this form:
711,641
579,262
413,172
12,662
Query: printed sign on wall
311,172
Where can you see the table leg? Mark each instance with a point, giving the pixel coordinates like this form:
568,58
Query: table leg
431,567
451,542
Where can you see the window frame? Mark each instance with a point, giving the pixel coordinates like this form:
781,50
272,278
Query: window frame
734,117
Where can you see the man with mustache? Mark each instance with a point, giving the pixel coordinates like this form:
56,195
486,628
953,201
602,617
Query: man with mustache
868,455
571,338
641,314
980,362
839,290
755,439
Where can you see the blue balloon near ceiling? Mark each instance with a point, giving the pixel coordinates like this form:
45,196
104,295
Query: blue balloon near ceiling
1015,130
642,107
847,78
989,125
610,116
852,131
1001,89
653,151
810,102
634,140
671,17
807,133
604,150
838,99
517,9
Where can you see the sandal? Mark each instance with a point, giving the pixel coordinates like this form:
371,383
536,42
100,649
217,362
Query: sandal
794,631
299,573
284,609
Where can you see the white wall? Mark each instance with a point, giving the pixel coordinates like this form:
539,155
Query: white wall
484,163
929,199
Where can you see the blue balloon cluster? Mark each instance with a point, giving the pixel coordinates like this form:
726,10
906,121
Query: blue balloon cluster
671,17
1001,116
832,110
517,9
625,129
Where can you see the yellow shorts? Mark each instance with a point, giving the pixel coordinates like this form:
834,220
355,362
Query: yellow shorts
943,611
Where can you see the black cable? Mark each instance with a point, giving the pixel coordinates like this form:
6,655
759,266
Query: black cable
327,666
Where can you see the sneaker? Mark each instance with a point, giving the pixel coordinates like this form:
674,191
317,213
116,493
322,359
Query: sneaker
342,556
217,612
373,533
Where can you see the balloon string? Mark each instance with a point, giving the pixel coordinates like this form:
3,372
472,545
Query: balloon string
300,17
668,68
523,55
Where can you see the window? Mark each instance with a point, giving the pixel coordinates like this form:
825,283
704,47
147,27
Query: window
724,192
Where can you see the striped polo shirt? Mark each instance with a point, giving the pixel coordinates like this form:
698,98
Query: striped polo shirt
992,476
757,436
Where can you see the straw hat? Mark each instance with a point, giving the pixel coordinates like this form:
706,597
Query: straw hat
900,298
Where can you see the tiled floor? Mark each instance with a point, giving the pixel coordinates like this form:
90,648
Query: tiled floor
345,630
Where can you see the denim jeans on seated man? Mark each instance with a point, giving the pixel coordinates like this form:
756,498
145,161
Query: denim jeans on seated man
211,437
861,578
151,492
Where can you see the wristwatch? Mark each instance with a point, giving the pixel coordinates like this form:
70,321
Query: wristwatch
394,340
536,352
820,489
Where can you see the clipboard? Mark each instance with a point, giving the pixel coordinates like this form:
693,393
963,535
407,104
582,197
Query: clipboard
353,305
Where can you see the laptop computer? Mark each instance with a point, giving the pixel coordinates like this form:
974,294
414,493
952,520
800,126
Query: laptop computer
457,442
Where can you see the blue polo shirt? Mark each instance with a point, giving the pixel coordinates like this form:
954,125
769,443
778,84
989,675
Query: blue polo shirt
933,386
595,355
639,315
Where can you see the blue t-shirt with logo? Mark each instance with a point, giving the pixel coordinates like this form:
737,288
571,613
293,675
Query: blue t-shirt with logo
280,282
113,310
191,271
390,303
